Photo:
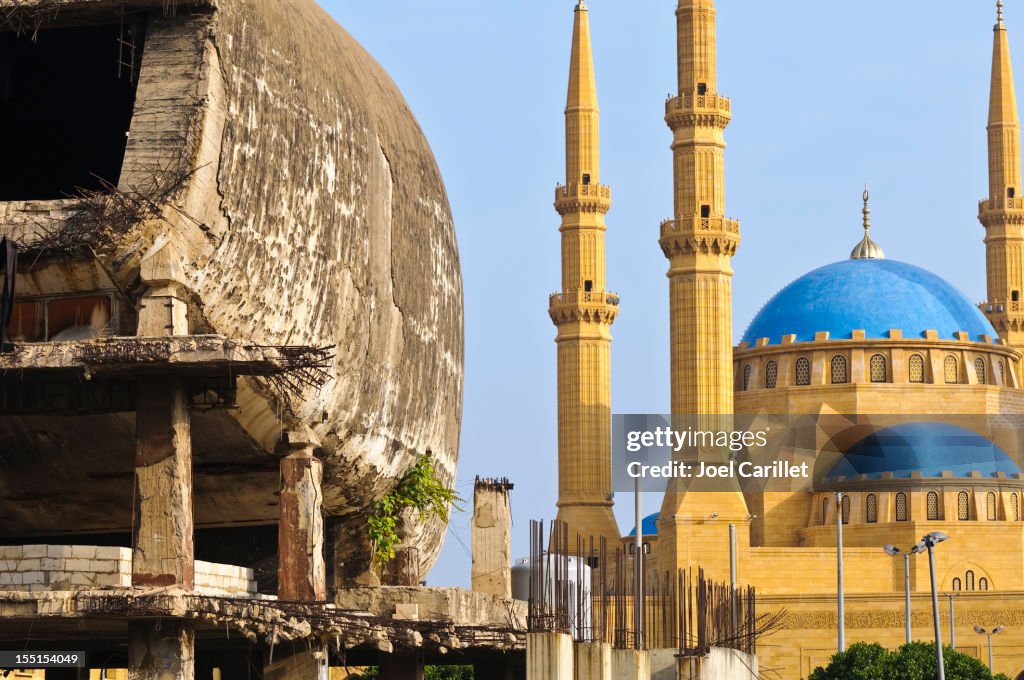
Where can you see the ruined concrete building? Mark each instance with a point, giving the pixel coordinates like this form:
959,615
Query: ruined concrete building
237,303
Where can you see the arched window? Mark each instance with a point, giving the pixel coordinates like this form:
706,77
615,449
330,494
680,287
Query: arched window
803,371
901,507
963,506
771,375
916,368
990,506
1015,507
1002,373
979,369
838,369
933,505
746,376
871,508
879,374
950,369
982,583
969,580
824,510
957,585
846,509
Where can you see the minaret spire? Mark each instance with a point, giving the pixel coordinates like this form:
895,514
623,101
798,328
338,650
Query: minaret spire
584,311
867,249
1002,214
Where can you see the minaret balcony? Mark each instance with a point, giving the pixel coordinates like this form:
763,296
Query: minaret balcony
1000,203
579,197
700,235
698,109
700,225
600,306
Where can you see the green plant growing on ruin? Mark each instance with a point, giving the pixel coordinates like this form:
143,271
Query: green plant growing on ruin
420,489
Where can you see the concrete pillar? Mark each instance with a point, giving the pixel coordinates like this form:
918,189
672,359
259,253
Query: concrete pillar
492,537
163,553
301,573
400,666
593,661
299,666
161,650
549,656
631,664
665,665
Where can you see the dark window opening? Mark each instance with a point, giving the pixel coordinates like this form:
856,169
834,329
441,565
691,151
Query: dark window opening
586,179
1011,192
79,318
1015,295
705,211
588,285
65,111
702,88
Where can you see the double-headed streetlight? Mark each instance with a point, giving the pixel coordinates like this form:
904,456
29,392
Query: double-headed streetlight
896,552
995,631
928,542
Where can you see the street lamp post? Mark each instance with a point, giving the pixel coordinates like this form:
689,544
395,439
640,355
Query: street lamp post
952,621
839,570
995,631
896,552
928,542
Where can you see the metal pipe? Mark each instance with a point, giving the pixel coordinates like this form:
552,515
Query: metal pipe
990,652
732,575
906,579
638,562
952,621
935,612
839,570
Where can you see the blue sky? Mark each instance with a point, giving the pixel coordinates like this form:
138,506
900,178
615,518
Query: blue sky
825,97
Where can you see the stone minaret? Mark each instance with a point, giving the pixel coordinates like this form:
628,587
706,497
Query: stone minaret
699,244
1002,214
584,311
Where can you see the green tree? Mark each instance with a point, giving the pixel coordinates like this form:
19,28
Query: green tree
915,661
860,661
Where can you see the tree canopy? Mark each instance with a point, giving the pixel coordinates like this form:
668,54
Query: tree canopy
914,661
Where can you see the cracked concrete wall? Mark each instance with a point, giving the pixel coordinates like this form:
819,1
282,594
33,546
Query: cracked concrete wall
314,214
338,231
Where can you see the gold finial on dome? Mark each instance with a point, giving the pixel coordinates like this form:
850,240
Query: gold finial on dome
867,249
999,12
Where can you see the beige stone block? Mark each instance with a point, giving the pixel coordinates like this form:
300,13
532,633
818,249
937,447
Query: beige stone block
33,578
10,552
29,564
78,565
104,566
34,551
83,551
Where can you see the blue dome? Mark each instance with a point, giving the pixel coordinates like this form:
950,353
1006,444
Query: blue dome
649,525
870,295
930,448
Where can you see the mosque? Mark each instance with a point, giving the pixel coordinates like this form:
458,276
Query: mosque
859,337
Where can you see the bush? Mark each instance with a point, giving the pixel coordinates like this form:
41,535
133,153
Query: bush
915,661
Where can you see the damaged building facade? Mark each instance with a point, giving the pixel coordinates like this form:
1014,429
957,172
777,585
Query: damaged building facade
236,323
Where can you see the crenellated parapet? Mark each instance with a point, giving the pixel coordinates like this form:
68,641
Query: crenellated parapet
912,366
584,306
698,110
583,198
700,235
